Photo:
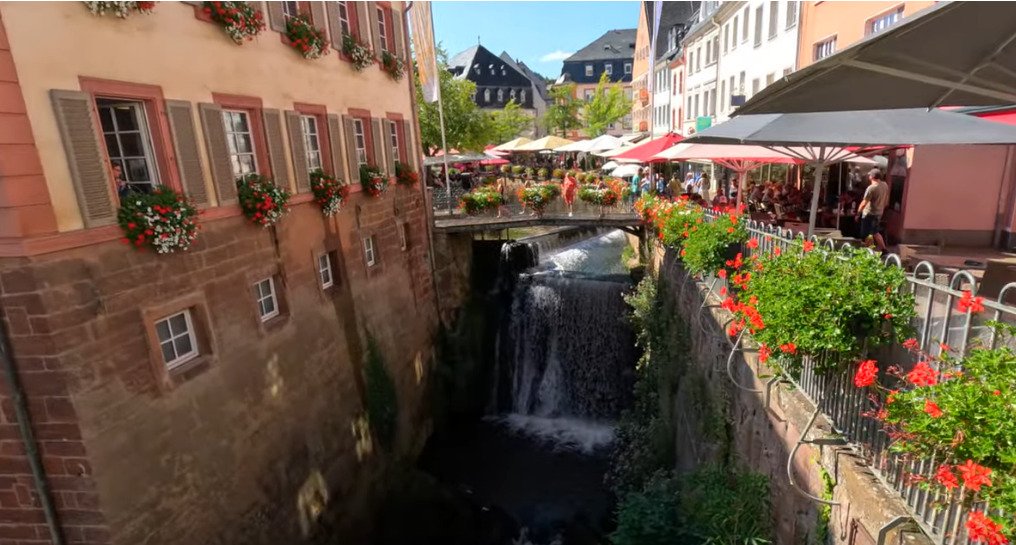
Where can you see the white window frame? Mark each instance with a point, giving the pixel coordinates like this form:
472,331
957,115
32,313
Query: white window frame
290,9
324,269
344,23
608,69
360,141
180,359
232,142
627,68
589,71
774,21
486,95
824,48
792,7
381,33
144,135
393,140
369,253
312,142
885,20
500,95
261,297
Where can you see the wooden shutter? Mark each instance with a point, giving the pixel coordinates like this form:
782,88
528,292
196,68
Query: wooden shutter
362,10
276,146
318,15
334,26
335,141
185,142
299,150
218,153
276,17
412,153
85,156
351,162
386,136
400,44
380,160
400,127
373,24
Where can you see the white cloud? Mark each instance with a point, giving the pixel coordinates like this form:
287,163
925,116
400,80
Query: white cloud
556,56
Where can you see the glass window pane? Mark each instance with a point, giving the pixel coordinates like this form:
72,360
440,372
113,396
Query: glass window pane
137,170
269,305
243,143
178,324
126,118
106,119
183,345
168,353
132,146
113,146
240,121
231,142
162,330
247,164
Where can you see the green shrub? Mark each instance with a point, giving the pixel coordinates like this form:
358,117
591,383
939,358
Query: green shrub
649,516
725,506
541,174
382,400
517,169
558,174
707,245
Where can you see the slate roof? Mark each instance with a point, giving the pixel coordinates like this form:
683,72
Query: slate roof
538,81
674,13
614,44
460,63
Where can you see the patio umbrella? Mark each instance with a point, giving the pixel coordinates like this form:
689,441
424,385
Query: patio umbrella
613,152
819,138
603,143
609,165
646,152
574,146
625,171
739,158
495,161
512,144
546,143
951,54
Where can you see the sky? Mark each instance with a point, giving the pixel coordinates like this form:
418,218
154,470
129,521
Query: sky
542,34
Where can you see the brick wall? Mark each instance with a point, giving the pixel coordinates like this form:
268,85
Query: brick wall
220,453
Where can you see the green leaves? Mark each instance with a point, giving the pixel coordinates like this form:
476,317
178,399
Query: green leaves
508,123
562,114
607,107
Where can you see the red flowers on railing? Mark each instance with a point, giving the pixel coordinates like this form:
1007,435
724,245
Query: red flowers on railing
983,529
932,409
923,375
866,374
969,303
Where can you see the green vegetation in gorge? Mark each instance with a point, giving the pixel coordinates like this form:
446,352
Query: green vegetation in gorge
382,402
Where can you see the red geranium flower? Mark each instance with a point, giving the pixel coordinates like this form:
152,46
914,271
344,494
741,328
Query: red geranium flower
788,348
946,477
910,344
752,243
981,528
932,409
923,375
808,246
974,476
777,251
866,374
969,303
722,273
763,353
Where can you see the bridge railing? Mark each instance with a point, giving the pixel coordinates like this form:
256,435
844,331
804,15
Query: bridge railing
937,321
440,202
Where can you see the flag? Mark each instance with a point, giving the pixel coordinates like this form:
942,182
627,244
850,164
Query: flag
422,25
654,29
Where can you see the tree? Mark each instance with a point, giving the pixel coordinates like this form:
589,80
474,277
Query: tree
607,107
467,127
563,113
508,123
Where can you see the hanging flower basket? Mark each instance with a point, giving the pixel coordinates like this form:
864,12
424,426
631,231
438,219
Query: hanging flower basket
360,54
163,220
304,37
392,65
374,181
122,10
479,200
329,193
239,20
405,175
262,202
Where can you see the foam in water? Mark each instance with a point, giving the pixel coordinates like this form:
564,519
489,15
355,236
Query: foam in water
599,255
561,433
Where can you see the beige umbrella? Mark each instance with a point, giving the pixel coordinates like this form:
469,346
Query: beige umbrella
511,145
545,143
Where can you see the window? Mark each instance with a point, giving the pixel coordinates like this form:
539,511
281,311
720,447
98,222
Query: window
608,69
486,95
825,48
733,34
884,21
344,18
770,78
382,27
672,38
744,26
369,256
726,37
787,71
709,54
361,143
691,62
393,139
791,13
513,95
240,142
403,229
732,92
500,95
176,339
589,70
774,19
754,86
698,60
324,268
290,9
627,68
264,294
740,83
716,47
128,142
588,95
311,142
522,96
696,105
689,105
723,93
758,25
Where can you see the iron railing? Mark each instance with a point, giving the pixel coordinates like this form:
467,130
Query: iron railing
849,409
439,202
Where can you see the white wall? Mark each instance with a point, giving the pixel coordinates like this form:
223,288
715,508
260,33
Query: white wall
700,73
662,86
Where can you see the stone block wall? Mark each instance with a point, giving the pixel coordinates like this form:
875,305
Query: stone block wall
264,429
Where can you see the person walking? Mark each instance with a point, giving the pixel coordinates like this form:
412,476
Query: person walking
568,190
633,186
872,206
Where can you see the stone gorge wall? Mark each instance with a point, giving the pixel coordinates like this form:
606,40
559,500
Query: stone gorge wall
241,446
717,421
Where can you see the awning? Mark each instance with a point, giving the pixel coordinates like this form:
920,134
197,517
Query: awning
646,153
545,143
609,165
495,161
613,152
457,158
625,171
512,144
951,54
574,146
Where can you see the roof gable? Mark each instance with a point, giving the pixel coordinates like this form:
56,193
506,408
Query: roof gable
613,44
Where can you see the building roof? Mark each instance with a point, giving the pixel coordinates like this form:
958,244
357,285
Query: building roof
538,81
674,13
614,44
460,63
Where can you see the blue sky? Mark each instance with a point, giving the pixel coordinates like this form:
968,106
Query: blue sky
542,34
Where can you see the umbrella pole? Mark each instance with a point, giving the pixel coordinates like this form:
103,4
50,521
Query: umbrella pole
819,167
742,177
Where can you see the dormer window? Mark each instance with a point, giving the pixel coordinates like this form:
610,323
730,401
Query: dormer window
513,94
500,95
589,70
476,68
523,96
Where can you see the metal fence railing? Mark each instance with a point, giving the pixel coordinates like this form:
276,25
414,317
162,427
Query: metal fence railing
849,408
439,202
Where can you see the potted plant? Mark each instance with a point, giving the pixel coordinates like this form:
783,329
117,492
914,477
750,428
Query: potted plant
506,169
304,37
392,65
480,199
405,175
239,20
374,181
329,193
262,201
359,54
541,174
558,174
120,9
163,220
600,196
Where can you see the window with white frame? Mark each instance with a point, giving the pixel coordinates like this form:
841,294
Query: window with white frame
825,48
884,21
344,18
311,142
774,21
381,26
176,339
361,143
486,95
240,142
268,303
627,68
589,70
733,34
514,94
744,24
588,95
369,254
324,268
393,140
290,9
608,69
128,142
758,25
500,95
791,13
522,96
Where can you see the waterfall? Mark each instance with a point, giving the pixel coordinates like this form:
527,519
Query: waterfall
566,353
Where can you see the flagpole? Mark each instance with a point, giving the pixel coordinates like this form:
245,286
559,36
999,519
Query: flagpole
444,141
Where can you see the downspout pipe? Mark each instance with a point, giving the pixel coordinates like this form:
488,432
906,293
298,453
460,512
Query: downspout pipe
28,438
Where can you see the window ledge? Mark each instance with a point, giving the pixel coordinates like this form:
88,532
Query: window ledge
187,371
